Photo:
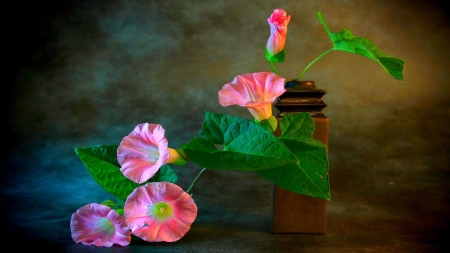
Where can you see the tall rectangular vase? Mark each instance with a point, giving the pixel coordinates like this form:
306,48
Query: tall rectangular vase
293,212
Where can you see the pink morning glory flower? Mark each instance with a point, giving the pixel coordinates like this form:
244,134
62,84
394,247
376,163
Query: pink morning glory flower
159,212
256,91
142,152
99,225
278,22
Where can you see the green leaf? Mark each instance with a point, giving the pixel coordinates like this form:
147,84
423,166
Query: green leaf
275,58
232,143
310,176
164,174
346,41
101,162
293,125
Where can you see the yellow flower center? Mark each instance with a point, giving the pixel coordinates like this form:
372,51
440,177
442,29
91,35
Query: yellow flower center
162,211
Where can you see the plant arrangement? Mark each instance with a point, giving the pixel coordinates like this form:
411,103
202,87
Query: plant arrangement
150,205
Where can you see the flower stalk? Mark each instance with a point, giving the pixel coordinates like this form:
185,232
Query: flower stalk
311,63
273,68
195,181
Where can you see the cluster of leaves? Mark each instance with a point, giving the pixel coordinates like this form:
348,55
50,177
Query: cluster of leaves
294,161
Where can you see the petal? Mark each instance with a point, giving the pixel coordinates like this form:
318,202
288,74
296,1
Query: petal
185,209
149,232
172,230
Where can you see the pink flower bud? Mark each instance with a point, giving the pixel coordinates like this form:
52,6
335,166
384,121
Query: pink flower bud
278,22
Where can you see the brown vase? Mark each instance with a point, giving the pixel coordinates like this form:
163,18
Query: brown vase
293,212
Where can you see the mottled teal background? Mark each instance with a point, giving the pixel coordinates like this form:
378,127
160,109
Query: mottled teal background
82,73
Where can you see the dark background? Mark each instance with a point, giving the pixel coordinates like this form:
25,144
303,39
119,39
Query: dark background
81,73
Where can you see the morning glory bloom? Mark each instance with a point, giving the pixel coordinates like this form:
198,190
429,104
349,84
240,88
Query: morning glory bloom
256,91
159,212
99,225
142,152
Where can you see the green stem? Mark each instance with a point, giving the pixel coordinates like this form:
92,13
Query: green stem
195,180
311,63
273,67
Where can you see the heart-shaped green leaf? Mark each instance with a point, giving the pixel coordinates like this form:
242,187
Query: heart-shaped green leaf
346,41
101,162
243,145
310,176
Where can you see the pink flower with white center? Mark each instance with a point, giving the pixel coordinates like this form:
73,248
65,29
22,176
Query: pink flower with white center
278,22
99,225
142,152
256,91
159,212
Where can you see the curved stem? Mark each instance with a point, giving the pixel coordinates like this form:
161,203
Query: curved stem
273,67
195,180
311,63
